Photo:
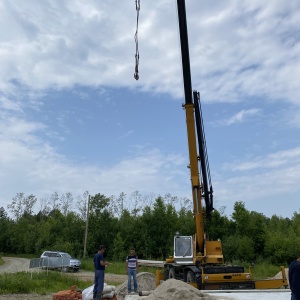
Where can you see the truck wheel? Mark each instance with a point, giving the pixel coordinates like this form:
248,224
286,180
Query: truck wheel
190,276
171,273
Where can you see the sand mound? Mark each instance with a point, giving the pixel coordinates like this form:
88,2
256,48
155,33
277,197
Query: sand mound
171,289
279,274
177,290
145,280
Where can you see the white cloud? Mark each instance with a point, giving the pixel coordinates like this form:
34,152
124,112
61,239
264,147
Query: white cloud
286,159
292,118
11,105
267,184
272,191
30,165
242,116
127,134
237,49
240,51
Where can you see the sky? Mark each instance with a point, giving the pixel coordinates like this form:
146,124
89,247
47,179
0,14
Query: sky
74,119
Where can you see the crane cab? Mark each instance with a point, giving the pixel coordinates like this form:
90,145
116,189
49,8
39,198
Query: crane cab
183,249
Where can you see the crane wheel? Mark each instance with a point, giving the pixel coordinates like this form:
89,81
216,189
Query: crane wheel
172,273
190,276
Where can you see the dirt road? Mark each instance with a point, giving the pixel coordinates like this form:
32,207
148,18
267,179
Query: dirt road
16,264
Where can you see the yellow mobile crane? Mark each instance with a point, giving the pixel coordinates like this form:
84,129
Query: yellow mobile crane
196,259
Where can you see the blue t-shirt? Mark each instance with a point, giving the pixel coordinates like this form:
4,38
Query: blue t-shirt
97,258
294,277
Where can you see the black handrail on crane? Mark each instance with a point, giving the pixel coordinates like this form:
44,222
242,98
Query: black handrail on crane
207,190
194,98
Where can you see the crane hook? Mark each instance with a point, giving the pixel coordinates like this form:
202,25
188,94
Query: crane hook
137,55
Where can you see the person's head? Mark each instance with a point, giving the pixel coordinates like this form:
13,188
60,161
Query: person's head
132,251
101,248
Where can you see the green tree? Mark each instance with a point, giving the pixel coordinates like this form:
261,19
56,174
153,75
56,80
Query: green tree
159,226
257,232
6,225
102,224
118,248
66,202
219,226
185,222
22,204
241,216
145,244
230,248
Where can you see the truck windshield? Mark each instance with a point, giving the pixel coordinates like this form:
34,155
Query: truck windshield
66,255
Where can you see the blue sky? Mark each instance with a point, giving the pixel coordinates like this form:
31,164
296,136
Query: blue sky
73,118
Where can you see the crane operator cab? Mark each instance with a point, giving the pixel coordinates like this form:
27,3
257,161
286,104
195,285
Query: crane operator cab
183,249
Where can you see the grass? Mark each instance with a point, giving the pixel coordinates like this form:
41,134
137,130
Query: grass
41,283
264,270
261,270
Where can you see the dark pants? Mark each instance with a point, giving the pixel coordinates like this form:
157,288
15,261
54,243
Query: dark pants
294,297
98,283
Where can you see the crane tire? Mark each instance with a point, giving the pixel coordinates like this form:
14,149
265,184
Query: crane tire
172,273
190,276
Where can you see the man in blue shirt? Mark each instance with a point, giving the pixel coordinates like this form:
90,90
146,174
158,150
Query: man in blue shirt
99,264
294,279
132,269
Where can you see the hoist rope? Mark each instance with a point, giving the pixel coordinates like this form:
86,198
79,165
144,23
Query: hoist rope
137,55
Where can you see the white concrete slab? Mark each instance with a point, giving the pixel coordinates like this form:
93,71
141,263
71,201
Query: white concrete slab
280,294
239,295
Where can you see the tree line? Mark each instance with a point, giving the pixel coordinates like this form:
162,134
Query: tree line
149,225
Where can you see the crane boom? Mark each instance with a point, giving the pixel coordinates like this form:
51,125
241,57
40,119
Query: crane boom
185,56
192,107
197,260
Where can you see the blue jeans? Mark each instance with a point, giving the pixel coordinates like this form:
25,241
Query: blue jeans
99,282
132,273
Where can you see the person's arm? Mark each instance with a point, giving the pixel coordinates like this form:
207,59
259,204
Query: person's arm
104,263
137,265
127,265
